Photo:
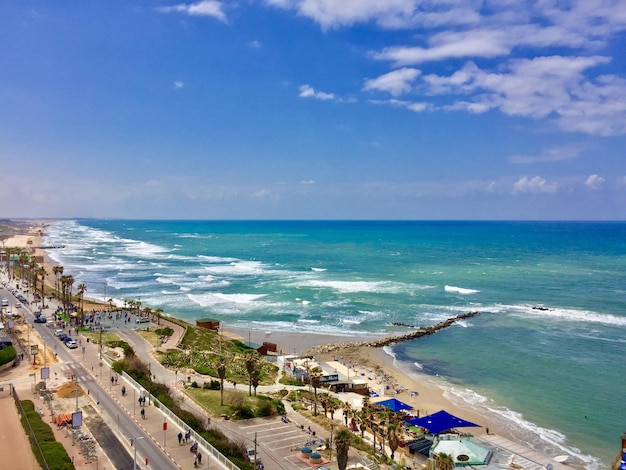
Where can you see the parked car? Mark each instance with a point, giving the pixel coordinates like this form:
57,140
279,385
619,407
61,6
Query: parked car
67,339
251,456
71,344
142,320
41,319
62,337
59,333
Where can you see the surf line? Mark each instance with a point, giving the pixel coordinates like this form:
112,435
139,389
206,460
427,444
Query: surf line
379,343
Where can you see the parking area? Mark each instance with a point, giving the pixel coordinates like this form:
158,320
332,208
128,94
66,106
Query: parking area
279,443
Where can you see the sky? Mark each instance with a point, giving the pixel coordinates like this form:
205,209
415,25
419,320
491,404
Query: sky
313,109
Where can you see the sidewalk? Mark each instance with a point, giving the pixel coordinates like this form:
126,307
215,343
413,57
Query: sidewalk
154,422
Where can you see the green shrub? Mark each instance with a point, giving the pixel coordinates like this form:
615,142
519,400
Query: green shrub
128,349
167,331
212,385
56,456
7,355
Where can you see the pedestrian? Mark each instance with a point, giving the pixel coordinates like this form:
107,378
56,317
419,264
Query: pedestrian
123,391
112,380
187,437
115,379
199,455
195,461
180,438
143,413
139,399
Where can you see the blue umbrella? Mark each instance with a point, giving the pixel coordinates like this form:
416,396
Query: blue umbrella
440,421
394,404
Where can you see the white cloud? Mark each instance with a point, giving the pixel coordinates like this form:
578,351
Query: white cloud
417,107
334,14
307,91
307,182
396,82
255,44
178,84
595,182
533,185
554,87
554,154
211,8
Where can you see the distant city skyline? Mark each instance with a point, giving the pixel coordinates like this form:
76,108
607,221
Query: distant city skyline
314,109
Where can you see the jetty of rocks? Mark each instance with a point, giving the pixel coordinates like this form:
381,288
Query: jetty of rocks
379,343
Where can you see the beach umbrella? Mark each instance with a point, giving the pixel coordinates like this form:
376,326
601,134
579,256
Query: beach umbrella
394,404
441,421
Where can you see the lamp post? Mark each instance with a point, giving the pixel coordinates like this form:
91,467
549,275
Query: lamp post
133,442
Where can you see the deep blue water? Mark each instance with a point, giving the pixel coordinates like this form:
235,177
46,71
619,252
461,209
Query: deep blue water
555,374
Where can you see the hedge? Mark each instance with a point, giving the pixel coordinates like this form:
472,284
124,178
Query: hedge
7,355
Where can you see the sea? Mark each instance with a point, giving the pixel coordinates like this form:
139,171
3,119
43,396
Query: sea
545,359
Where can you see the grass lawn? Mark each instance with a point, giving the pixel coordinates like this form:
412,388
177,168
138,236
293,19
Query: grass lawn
151,337
106,337
233,401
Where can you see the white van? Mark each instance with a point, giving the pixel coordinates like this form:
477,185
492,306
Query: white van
5,302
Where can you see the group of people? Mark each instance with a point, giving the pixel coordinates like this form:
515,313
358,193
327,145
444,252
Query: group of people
184,439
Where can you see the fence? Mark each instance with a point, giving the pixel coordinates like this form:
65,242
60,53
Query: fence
202,442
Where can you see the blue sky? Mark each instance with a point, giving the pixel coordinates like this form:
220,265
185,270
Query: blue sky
313,109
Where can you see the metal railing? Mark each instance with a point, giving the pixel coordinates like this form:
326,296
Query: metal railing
202,442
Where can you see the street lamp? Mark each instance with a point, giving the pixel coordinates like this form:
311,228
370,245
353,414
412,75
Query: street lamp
133,442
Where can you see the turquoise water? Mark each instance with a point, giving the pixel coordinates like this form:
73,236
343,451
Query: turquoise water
545,357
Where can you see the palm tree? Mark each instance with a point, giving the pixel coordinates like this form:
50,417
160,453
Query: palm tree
221,373
41,273
66,287
58,271
324,400
347,409
81,289
158,312
250,360
315,382
342,445
444,461
392,438
256,378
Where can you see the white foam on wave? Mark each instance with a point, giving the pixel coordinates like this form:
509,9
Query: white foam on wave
347,287
460,290
236,268
569,315
318,270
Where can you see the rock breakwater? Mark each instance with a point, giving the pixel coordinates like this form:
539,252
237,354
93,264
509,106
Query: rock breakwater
379,343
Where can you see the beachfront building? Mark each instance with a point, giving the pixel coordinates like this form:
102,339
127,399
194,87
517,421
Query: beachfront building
330,374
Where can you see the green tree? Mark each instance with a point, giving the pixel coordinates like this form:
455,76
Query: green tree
250,361
392,438
342,445
221,373
444,461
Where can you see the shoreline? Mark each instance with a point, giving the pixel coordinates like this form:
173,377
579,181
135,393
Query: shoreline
431,396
